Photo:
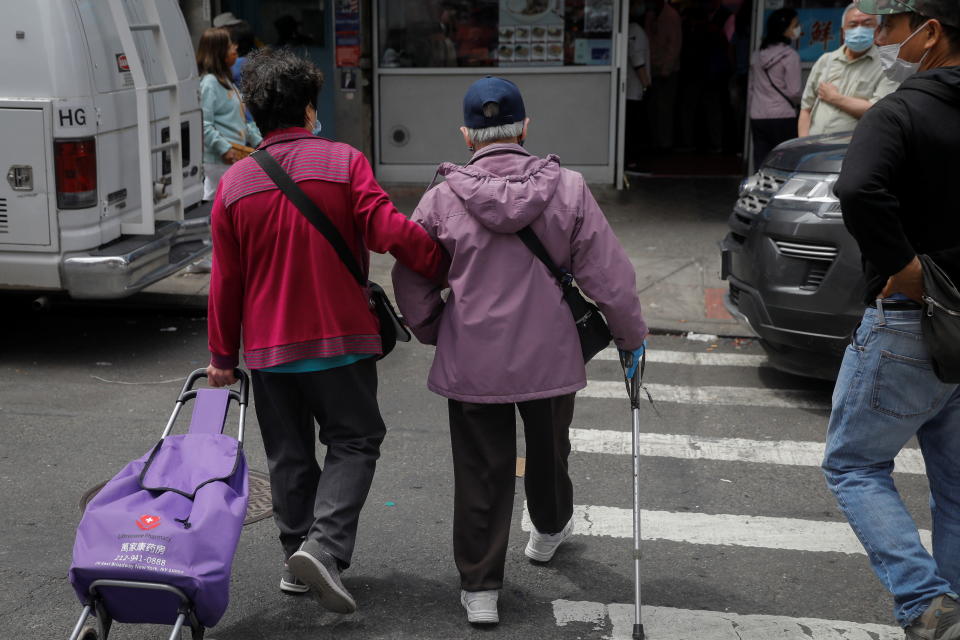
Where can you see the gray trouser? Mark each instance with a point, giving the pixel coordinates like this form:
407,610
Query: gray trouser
307,502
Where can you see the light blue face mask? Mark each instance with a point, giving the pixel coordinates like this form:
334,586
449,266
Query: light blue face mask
317,128
858,39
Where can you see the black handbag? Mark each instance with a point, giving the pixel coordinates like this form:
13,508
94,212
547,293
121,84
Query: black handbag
591,326
940,321
392,329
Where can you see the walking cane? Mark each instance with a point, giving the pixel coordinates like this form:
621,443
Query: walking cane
634,385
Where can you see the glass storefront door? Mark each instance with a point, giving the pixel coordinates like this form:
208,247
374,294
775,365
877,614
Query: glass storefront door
563,54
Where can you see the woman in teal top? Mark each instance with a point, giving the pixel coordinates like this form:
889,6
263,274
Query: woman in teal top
224,121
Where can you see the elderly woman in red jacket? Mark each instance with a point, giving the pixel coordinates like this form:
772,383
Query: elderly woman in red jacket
309,335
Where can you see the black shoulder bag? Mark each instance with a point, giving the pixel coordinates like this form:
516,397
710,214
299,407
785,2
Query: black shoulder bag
391,327
592,328
940,321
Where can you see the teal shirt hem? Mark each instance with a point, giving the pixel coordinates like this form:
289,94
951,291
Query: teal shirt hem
308,365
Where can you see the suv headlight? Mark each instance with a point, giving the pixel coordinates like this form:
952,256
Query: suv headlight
811,192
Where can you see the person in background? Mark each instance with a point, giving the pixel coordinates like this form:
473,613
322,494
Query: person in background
638,79
242,34
505,337
224,121
308,333
844,83
664,30
775,85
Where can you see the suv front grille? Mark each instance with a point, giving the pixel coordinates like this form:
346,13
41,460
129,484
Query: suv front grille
818,258
820,252
815,275
752,201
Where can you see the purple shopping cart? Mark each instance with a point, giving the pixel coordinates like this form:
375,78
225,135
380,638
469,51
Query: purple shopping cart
156,544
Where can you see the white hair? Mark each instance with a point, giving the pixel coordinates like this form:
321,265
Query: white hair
850,7
487,135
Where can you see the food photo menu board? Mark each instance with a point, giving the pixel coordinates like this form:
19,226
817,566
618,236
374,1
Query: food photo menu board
530,32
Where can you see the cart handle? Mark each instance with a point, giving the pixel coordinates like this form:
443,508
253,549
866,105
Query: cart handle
242,398
189,393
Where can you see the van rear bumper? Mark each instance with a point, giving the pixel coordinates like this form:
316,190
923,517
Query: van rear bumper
131,263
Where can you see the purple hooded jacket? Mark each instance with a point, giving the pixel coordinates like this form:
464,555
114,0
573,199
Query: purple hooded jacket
505,333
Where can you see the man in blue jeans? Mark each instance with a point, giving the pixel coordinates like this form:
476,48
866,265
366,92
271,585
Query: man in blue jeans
895,198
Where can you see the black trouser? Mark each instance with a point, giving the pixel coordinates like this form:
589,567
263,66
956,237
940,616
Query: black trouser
484,465
768,133
323,506
635,130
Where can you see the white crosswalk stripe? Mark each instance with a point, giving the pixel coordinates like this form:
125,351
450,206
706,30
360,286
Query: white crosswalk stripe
718,529
693,358
685,624
685,447
721,529
714,396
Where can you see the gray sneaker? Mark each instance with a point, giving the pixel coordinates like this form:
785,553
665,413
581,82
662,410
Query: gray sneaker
941,621
289,583
481,606
318,570
542,546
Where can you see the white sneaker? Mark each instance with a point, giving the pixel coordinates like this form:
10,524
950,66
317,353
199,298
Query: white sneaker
481,606
542,546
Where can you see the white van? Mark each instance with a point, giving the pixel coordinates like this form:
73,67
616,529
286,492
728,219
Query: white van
101,145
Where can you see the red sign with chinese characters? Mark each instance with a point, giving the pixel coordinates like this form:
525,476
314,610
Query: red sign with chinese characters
348,56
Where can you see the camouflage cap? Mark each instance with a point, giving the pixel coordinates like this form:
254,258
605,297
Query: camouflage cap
946,11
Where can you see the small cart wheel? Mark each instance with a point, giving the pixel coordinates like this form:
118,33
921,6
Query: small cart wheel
88,633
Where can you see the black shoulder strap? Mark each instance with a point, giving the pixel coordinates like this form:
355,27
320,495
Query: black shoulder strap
533,243
777,89
310,211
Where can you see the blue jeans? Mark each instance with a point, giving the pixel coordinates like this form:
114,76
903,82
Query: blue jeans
886,393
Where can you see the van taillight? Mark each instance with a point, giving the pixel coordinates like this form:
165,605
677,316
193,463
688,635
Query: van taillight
76,163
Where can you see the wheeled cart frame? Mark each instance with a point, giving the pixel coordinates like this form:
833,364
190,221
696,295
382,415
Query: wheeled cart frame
98,603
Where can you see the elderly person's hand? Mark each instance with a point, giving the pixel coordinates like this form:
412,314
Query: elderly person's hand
829,93
220,377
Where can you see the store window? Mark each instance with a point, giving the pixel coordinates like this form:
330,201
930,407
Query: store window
495,33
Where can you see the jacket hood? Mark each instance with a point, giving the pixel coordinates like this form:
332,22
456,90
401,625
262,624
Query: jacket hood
773,54
504,187
945,85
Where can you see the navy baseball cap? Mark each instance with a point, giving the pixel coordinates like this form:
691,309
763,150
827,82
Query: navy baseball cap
495,90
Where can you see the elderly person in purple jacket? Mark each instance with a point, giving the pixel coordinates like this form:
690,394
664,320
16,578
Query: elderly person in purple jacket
505,337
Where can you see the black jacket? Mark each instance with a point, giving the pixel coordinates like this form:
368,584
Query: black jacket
898,186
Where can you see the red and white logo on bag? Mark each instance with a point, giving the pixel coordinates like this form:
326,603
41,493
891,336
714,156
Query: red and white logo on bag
148,522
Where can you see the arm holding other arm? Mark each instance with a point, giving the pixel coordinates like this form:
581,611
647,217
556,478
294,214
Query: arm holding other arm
386,230
419,298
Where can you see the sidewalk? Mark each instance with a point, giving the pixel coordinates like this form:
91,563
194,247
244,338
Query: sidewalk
669,227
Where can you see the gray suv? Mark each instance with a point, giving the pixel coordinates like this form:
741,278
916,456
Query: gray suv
794,270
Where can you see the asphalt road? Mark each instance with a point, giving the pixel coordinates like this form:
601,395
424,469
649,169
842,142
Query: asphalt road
746,542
